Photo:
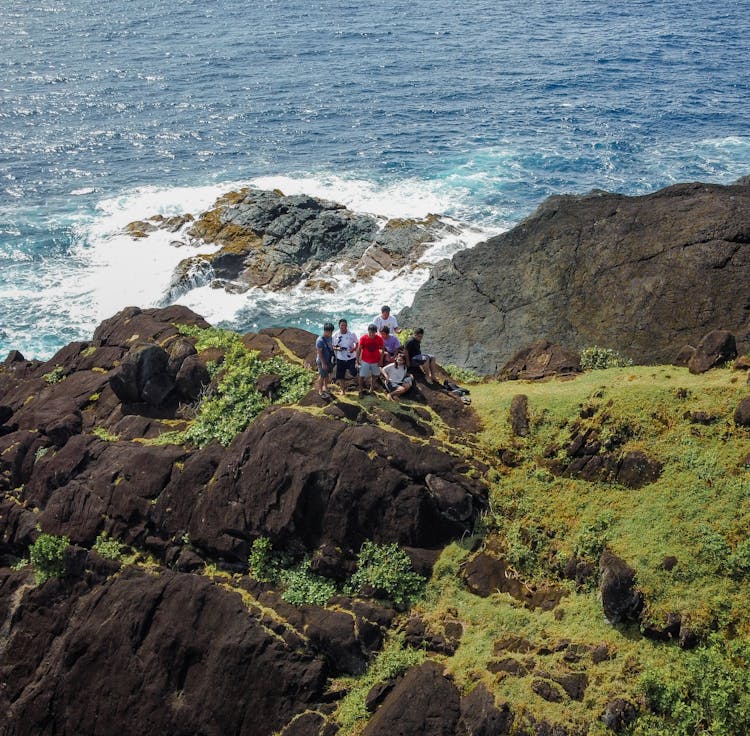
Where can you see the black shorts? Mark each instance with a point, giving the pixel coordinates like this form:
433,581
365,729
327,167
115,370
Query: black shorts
342,366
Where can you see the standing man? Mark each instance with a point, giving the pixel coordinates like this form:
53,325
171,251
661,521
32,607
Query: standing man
386,318
370,358
415,356
324,359
345,345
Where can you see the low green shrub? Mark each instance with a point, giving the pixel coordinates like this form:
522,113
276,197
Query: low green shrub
236,401
303,587
107,547
385,570
711,695
463,375
56,375
595,358
592,537
265,564
47,557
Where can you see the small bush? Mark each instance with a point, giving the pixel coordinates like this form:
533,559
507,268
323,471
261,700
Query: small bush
265,564
303,587
47,557
595,358
592,538
107,547
739,561
385,569
463,375
56,375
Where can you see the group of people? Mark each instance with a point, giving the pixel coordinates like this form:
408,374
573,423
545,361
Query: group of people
378,354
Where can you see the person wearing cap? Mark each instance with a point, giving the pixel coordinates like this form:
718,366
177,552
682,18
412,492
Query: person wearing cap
415,356
324,359
370,358
386,318
345,345
396,377
391,343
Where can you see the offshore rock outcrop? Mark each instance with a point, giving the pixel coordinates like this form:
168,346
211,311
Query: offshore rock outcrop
269,240
641,275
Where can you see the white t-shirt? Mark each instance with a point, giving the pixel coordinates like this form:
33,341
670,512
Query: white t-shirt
391,322
395,374
347,341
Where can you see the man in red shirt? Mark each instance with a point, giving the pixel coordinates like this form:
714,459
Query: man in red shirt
370,358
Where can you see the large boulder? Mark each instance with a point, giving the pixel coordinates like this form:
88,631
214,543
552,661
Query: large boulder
621,601
641,275
170,653
716,348
424,702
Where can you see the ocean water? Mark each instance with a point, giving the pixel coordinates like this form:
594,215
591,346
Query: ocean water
111,112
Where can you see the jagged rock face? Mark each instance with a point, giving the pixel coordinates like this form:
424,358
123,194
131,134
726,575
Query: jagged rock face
641,275
170,653
273,241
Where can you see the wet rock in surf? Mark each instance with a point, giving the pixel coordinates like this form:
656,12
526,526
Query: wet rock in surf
265,239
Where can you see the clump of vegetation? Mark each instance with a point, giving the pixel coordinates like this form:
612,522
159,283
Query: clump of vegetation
107,547
709,695
228,410
463,375
385,571
393,661
56,375
304,587
595,358
47,555
104,434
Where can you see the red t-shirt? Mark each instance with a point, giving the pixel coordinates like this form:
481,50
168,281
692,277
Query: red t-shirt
371,348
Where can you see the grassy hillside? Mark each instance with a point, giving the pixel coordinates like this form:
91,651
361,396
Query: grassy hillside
698,512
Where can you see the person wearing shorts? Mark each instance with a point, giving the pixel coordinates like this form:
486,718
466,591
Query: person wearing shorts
370,358
345,345
415,356
324,359
396,377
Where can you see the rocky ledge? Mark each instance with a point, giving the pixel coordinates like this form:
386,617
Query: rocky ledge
265,239
641,275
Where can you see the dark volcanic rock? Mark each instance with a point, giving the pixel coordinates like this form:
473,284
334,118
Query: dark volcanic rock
309,481
642,275
519,415
541,360
742,413
424,703
622,603
619,714
683,357
481,717
170,652
270,240
716,348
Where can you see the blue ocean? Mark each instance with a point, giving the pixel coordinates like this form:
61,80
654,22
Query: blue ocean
112,112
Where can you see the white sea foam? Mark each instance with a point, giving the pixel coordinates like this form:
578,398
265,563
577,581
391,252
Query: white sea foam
110,270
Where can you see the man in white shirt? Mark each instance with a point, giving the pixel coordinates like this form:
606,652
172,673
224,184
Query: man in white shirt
386,318
345,348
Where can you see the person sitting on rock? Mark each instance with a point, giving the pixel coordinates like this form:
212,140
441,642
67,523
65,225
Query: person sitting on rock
386,318
345,344
396,377
415,357
324,359
370,358
391,342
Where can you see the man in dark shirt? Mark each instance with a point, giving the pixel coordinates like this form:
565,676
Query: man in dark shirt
415,356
